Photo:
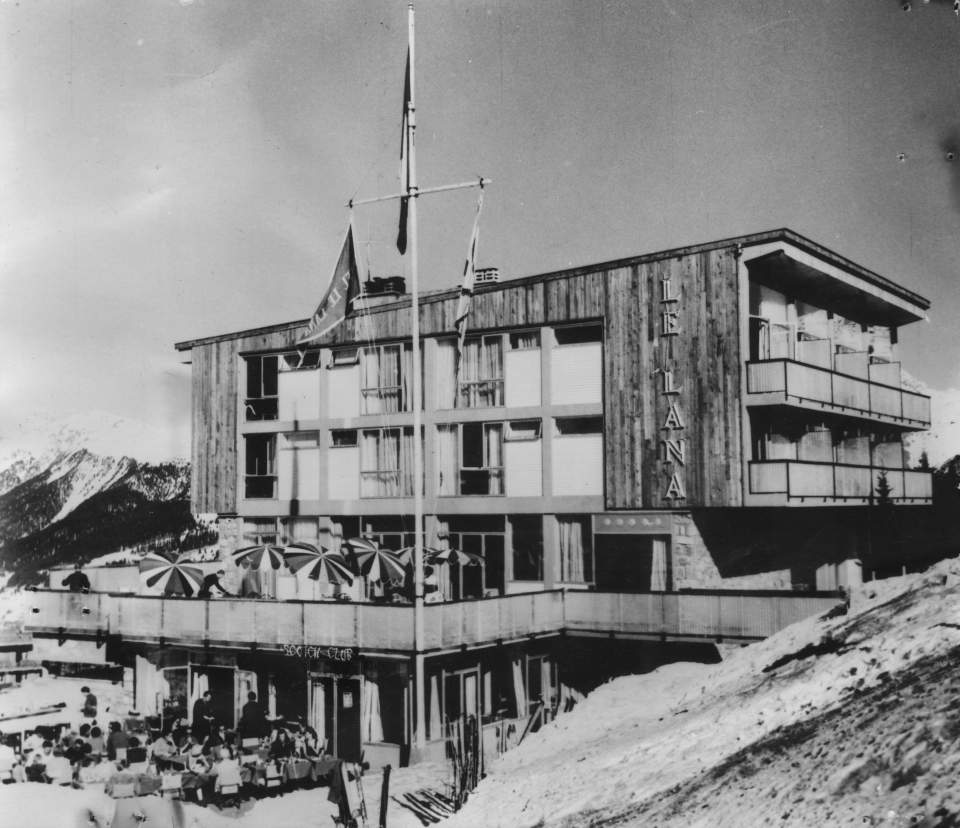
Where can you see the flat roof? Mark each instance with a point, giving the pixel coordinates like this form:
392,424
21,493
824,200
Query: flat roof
782,234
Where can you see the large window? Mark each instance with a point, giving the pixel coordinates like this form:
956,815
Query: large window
470,459
386,462
527,547
261,401
576,550
481,373
259,530
481,536
385,376
261,468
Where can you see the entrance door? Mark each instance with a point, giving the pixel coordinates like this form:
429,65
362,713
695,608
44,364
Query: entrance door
632,563
341,702
221,685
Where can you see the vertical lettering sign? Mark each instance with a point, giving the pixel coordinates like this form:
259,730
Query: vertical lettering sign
673,442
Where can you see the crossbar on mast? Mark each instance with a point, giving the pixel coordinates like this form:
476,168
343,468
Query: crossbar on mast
416,191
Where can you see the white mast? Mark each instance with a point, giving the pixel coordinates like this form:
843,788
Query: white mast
419,739
411,194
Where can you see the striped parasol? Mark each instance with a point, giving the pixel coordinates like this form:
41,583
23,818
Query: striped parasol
375,562
170,575
261,557
455,556
318,562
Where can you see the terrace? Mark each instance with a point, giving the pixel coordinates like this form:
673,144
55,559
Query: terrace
371,628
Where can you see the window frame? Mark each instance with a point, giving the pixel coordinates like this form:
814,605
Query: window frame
270,472
258,405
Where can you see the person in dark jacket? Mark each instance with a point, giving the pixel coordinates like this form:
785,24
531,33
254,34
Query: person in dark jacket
253,721
204,718
89,707
211,582
77,581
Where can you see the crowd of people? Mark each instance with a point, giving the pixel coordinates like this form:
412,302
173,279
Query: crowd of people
200,760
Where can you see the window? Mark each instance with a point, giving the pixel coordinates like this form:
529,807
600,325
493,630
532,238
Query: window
524,340
260,530
519,430
343,438
386,462
483,536
578,334
481,459
300,360
345,356
569,426
261,402
470,459
576,552
385,372
261,471
481,373
527,547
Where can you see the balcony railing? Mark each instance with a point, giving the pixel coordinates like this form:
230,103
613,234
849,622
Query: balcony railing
843,393
373,628
804,481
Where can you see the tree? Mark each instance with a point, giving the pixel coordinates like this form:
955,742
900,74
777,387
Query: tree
883,489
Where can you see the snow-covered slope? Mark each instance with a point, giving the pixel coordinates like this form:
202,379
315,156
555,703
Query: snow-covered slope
846,720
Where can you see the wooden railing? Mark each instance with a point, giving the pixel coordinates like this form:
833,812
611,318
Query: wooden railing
845,393
799,479
372,628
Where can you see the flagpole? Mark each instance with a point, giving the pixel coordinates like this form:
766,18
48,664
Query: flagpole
418,629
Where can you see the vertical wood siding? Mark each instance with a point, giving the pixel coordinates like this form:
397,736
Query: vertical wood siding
704,358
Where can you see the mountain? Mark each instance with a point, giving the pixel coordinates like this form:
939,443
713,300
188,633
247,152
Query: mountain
62,502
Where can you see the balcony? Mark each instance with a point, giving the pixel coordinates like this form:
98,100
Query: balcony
370,628
878,396
799,482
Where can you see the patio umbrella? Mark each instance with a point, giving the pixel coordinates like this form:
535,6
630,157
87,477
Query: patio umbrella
317,562
261,557
455,556
375,562
172,576
405,555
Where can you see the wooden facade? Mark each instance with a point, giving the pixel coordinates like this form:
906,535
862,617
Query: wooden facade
673,366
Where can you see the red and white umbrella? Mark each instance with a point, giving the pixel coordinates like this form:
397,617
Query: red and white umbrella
318,562
261,557
172,576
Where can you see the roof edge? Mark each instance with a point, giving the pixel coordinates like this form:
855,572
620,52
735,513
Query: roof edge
780,234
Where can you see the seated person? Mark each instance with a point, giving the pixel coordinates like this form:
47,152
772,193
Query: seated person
282,746
228,772
97,743
38,761
58,770
117,740
94,772
33,744
77,751
196,761
161,748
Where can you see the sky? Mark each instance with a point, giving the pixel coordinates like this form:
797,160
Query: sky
174,169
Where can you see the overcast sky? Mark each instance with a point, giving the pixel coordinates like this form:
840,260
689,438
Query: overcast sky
172,170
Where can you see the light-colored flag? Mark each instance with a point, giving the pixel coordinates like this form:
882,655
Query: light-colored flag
344,287
469,277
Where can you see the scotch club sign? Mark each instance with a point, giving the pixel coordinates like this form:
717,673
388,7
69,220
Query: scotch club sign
672,441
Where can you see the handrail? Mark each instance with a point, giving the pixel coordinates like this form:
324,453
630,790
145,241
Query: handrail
831,371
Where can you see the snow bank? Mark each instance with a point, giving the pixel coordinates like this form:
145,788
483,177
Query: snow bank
641,736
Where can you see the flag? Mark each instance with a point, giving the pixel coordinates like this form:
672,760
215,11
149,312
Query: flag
344,287
404,161
469,276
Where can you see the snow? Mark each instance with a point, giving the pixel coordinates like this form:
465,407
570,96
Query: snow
92,474
634,742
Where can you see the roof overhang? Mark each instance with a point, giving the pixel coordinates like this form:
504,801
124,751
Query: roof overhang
855,293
